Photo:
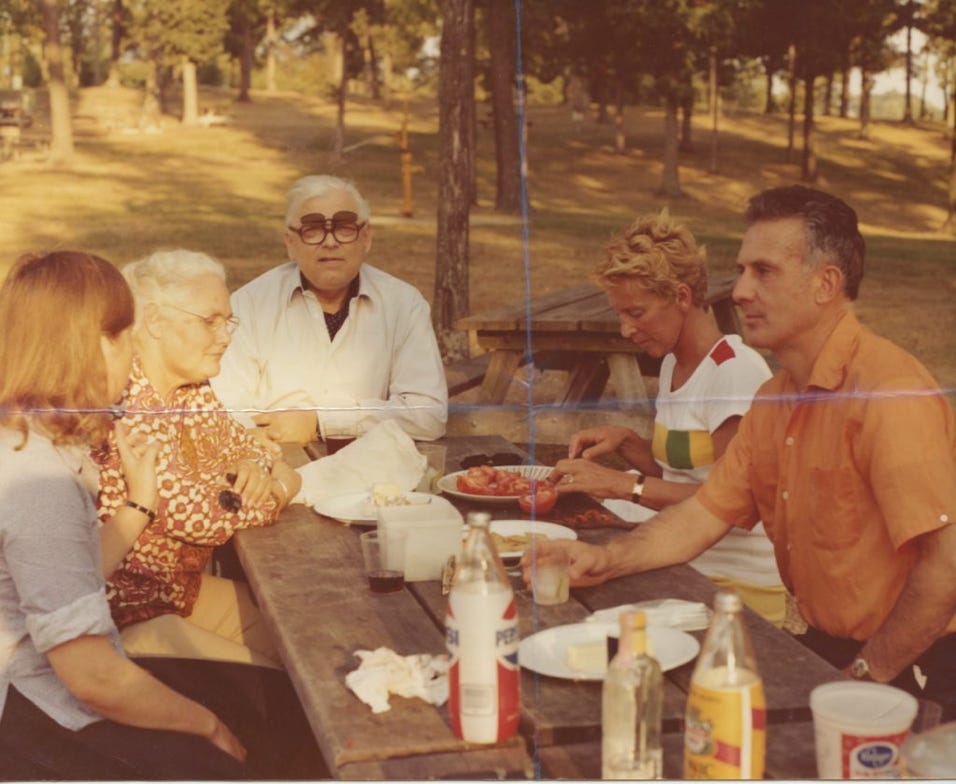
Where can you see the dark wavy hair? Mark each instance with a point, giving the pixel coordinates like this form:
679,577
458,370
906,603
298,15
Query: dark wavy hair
832,228
53,310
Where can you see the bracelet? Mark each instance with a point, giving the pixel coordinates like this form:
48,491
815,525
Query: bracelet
285,489
150,514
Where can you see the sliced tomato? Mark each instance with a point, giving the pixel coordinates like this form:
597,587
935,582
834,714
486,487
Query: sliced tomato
540,500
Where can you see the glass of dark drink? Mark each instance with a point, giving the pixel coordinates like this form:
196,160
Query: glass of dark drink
384,557
333,445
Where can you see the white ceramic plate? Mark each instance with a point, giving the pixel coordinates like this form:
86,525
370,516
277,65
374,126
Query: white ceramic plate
449,484
547,652
518,527
357,507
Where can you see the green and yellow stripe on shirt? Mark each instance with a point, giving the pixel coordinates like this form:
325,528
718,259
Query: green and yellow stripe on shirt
682,449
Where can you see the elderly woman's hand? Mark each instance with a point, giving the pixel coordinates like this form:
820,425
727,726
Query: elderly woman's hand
138,459
253,482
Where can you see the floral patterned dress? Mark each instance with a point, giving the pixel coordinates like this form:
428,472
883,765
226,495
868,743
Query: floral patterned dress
199,443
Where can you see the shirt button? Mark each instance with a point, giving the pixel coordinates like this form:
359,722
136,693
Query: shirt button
944,518
786,494
789,441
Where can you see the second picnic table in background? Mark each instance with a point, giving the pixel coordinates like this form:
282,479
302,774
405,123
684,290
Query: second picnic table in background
575,329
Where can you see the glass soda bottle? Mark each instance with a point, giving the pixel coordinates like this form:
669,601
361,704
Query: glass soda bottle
631,706
481,632
726,719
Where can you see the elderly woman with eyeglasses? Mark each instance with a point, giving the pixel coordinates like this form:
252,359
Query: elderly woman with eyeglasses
160,593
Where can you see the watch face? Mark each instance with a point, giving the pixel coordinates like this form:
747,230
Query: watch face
859,668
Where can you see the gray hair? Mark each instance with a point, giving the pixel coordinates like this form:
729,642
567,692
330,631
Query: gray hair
164,277
313,185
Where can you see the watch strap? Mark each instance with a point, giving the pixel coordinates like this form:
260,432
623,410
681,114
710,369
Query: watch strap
638,490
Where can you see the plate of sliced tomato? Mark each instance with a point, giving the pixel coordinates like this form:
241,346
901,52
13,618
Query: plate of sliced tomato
494,485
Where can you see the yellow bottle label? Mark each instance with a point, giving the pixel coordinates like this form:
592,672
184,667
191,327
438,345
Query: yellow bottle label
725,731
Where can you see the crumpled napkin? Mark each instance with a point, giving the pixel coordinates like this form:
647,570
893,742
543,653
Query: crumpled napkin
383,672
676,613
386,453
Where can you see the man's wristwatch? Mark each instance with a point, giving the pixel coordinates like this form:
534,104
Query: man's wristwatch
860,669
638,490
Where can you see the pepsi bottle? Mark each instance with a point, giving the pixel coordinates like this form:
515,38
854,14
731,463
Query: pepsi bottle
481,632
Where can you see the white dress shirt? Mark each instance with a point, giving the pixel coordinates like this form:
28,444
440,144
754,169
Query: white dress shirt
383,364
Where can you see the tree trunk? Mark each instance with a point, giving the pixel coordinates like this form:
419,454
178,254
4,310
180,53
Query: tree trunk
190,93
387,75
670,176
371,71
809,167
271,52
471,114
828,94
714,109
769,107
866,88
455,92
97,45
338,140
686,143
792,108
599,81
246,55
503,50
845,85
116,42
924,81
61,124
620,139
908,100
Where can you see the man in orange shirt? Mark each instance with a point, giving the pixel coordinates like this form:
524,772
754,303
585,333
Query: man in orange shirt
848,455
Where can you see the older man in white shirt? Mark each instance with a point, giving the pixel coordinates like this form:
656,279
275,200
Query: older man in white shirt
327,344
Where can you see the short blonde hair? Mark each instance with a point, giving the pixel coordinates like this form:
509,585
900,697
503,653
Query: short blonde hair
53,310
657,253
164,277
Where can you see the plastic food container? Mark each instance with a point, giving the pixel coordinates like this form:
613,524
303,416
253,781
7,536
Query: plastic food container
433,534
859,728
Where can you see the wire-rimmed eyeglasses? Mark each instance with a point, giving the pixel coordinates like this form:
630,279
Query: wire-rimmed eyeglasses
213,323
344,226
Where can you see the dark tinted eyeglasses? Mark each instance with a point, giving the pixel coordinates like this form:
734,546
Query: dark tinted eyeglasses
497,459
344,227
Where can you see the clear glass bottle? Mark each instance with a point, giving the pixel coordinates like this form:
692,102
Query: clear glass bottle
725,723
481,632
631,706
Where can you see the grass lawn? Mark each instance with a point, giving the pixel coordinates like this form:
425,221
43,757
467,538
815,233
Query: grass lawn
221,190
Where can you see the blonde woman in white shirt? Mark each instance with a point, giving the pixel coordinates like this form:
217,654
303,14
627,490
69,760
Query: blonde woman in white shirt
655,276
329,345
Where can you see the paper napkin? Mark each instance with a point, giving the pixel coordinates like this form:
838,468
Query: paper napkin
383,672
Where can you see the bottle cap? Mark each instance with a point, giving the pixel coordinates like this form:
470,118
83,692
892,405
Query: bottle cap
727,601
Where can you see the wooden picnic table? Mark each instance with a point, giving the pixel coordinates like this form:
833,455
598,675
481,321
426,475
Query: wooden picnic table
576,329
307,575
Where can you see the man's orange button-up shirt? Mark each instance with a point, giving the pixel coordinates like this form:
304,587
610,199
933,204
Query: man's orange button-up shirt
844,474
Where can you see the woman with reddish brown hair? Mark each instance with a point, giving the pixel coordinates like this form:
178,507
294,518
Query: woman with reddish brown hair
72,705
